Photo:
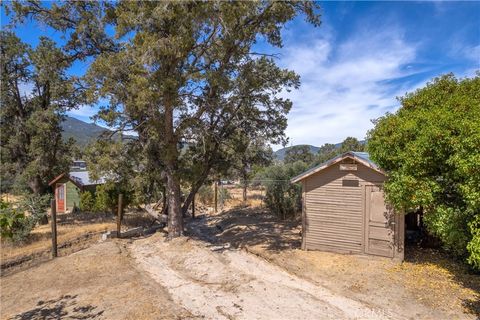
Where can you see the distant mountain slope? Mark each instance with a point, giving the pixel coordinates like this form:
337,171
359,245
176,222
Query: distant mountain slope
280,153
81,131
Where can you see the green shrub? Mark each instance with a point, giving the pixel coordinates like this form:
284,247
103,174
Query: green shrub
430,149
473,246
12,221
15,224
205,194
106,197
283,198
87,201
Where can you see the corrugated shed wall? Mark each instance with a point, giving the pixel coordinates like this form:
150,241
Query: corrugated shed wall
333,205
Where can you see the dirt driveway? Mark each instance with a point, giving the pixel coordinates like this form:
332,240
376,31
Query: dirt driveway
218,283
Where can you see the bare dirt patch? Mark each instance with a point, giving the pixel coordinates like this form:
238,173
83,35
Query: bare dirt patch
429,284
100,282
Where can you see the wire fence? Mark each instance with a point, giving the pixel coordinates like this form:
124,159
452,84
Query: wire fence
227,193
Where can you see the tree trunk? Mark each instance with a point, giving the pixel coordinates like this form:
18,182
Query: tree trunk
38,188
245,185
195,187
36,185
245,181
175,216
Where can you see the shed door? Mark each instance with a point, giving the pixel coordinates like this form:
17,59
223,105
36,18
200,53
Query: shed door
379,223
60,197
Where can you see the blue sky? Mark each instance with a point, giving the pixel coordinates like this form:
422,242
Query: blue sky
358,61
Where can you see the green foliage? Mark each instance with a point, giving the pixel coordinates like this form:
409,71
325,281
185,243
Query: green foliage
184,77
18,220
329,151
31,147
351,144
106,197
431,149
12,220
282,197
299,153
473,246
87,201
205,194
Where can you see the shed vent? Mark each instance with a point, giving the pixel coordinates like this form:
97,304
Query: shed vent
350,183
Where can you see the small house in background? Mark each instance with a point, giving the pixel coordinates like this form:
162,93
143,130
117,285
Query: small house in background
78,165
343,209
68,186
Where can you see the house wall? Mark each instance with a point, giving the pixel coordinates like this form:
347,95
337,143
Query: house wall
73,195
333,208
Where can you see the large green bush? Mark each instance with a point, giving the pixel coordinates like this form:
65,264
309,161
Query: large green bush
431,150
283,198
87,201
18,220
106,197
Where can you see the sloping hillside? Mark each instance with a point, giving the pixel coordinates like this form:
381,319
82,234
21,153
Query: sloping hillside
81,131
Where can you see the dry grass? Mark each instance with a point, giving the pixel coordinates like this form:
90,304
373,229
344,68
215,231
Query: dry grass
8,197
255,199
69,228
40,238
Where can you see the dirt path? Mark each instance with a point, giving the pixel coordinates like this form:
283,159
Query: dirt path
427,285
233,284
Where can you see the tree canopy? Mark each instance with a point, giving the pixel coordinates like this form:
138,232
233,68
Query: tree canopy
299,153
431,150
186,76
35,94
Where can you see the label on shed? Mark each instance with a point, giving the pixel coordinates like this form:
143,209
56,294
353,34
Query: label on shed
348,167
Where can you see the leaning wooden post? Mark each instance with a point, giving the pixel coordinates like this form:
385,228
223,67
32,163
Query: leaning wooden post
53,222
193,207
119,214
216,197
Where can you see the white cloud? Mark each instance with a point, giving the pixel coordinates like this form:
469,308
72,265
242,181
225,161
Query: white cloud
345,85
84,112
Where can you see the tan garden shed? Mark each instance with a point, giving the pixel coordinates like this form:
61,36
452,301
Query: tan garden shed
343,209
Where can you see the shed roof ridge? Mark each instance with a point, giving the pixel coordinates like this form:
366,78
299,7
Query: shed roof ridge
363,157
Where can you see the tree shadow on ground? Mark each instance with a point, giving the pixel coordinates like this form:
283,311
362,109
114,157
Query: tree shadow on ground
240,227
460,272
64,307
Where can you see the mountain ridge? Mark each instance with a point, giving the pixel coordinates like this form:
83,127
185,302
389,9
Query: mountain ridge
83,132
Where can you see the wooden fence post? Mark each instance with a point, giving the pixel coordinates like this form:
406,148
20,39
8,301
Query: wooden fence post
119,214
53,222
216,197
